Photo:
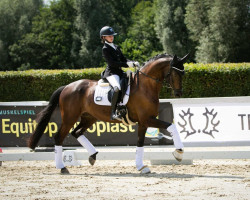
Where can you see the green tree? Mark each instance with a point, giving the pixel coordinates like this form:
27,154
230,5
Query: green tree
15,21
50,42
142,42
221,33
92,15
170,26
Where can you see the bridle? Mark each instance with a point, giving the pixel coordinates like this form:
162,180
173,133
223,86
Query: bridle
168,83
181,72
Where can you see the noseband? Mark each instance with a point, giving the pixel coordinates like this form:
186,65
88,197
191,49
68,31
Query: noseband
181,72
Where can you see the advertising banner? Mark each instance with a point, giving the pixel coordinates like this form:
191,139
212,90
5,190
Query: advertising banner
17,122
201,122
218,122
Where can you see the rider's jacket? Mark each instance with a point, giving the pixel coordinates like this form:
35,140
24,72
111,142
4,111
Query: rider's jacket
115,60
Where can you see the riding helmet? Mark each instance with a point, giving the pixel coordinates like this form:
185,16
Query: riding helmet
107,30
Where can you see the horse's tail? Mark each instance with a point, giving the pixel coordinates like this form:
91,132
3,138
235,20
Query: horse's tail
44,117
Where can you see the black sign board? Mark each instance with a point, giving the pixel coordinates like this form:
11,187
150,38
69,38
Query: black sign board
18,122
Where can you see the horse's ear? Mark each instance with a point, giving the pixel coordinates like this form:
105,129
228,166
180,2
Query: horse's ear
184,58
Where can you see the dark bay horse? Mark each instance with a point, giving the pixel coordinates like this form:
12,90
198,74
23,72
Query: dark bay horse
76,100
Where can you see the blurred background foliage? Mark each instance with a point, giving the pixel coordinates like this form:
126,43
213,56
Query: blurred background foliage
64,34
200,80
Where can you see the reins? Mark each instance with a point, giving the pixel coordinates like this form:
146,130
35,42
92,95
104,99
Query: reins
157,80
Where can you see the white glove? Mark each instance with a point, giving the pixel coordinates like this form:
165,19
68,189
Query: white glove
130,64
136,64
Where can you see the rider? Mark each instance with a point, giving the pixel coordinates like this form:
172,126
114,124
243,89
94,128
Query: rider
115,60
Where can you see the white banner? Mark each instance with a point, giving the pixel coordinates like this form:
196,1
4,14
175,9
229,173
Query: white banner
213,122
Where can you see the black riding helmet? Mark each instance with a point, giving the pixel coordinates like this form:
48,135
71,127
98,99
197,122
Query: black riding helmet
107,30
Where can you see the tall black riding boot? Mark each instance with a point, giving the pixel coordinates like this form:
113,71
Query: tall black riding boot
114,115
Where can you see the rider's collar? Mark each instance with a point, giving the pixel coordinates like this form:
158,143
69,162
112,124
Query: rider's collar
110,44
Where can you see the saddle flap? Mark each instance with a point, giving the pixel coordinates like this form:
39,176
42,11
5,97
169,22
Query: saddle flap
101,96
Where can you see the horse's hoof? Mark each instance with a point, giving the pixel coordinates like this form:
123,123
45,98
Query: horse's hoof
145,170
92,158
64,171
178,154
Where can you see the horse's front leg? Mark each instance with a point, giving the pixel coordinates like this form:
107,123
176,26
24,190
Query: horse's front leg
140,151
171,128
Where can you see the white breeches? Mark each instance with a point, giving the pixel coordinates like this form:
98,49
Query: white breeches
114,80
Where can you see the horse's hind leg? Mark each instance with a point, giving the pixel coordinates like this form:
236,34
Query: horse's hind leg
86,121
59,137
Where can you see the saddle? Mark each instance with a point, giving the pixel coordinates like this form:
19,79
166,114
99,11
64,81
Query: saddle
104,93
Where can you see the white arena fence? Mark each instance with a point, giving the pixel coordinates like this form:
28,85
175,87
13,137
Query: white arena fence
211,128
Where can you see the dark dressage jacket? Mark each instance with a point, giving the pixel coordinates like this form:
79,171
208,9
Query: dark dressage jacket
115,60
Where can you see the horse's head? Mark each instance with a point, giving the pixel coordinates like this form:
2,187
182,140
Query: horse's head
175,73
166,67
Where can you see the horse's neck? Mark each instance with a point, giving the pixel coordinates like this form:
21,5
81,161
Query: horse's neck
148,83
155,70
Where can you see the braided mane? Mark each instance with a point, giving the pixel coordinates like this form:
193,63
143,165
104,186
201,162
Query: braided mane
158,56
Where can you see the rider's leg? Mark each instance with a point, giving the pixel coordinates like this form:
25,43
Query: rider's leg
114,80
114,102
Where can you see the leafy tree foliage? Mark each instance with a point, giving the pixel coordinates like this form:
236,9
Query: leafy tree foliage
142,42
170,26
15,21
65,33
220,28
92,15
196,17
50,41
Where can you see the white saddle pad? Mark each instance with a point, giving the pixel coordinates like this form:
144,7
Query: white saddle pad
101,96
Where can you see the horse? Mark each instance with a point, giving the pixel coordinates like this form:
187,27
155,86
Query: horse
76,100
